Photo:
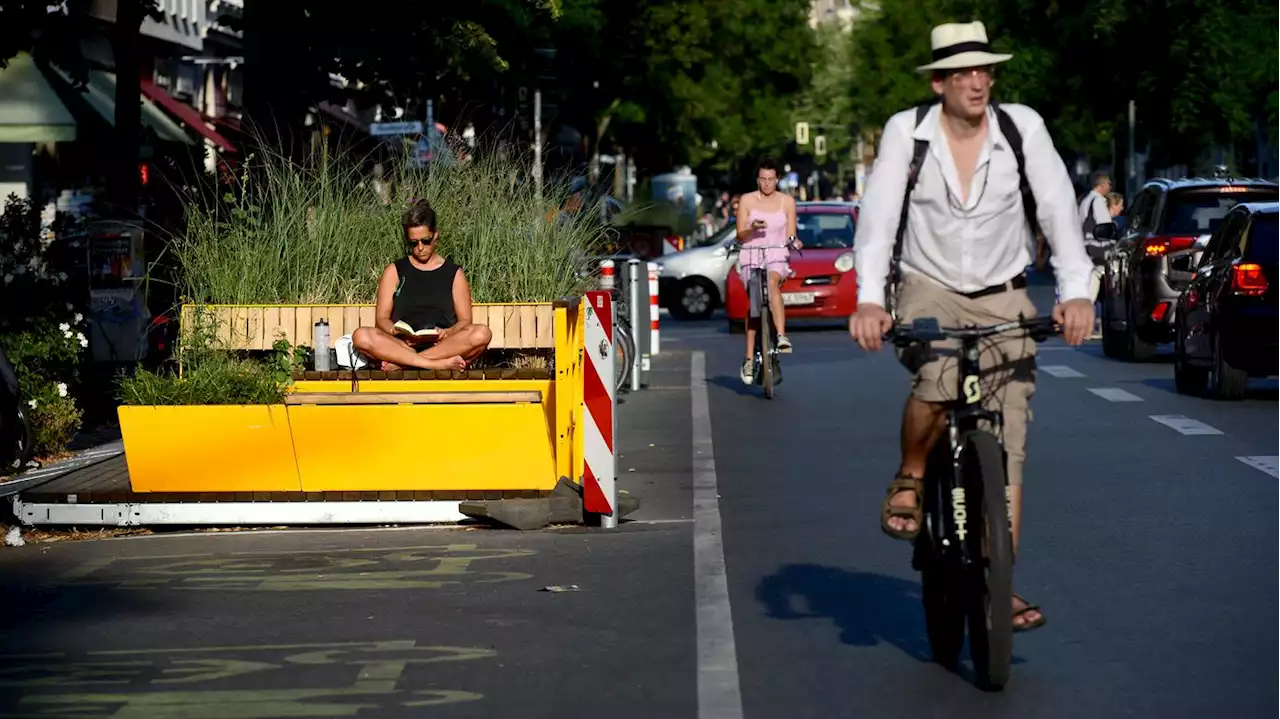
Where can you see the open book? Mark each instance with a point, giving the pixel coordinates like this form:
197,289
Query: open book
402,329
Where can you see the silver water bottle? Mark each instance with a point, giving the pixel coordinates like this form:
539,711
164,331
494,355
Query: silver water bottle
320,345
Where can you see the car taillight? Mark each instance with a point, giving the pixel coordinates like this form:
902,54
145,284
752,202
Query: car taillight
1247,279
1155,246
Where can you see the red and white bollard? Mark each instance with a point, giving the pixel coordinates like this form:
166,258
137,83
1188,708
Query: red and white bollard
608,280
599,400
653,309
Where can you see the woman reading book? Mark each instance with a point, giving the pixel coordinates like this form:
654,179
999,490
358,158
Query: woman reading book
423,301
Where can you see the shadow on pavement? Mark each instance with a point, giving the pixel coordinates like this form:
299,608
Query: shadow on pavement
54,618
867,608
1261,390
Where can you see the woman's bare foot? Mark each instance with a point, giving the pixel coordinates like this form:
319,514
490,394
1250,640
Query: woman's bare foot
391,367
454,362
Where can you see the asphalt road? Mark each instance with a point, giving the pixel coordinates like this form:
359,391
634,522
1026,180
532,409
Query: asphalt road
754,577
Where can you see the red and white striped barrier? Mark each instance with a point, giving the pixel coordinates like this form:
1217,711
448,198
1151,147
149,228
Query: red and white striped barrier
600,474
608,279
653,309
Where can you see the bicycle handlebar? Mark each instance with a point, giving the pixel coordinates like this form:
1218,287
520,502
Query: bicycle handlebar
737,245
927,329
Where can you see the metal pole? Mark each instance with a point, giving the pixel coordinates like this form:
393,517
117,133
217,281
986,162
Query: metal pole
637,303
537,143
1132,169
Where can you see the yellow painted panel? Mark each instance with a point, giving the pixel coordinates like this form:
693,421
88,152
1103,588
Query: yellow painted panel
230,448
372,448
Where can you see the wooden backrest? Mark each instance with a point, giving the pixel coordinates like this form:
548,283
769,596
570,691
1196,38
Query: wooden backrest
257,327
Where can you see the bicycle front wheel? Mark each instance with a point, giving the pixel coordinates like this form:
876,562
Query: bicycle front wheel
766,339
990,600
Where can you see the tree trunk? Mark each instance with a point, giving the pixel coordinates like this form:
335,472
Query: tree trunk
125,39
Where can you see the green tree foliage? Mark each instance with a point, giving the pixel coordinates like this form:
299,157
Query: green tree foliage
1201,72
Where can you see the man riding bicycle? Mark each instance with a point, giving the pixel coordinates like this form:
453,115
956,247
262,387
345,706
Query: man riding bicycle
766,224
966,241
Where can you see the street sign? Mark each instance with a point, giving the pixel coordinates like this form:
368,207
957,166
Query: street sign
382,129
802,133
820,145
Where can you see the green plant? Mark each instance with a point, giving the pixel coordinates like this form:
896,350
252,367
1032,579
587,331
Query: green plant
41,333
319,233
211,377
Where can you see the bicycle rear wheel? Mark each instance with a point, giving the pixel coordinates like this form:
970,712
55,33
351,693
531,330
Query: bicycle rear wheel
990,595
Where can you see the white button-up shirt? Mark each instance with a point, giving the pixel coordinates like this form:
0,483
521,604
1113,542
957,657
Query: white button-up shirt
968,245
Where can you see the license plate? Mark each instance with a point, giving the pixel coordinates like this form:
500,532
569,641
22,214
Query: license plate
790,299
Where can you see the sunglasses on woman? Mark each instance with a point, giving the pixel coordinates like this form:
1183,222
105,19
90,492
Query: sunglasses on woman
424,242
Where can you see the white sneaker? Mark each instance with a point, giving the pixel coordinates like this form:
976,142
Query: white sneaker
747,373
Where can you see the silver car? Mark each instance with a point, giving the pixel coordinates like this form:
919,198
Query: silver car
691,282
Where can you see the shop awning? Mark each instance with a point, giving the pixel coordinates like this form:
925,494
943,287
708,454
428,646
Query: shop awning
100,94
30,110
187,114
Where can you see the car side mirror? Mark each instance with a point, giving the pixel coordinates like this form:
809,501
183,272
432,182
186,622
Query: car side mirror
1105,231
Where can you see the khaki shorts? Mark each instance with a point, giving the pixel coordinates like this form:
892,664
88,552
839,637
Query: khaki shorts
1008,362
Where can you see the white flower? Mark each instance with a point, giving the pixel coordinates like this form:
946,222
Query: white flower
71,307
64,327
67,334
79,318
32,404
62,389
83,342
62,277
8,278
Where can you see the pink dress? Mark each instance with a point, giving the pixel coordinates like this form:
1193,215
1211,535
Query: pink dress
771,258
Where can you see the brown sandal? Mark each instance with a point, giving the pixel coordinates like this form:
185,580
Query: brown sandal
902,483
1029,624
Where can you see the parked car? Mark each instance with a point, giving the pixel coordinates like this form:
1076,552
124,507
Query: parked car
823,284
1226,326
1150,266
691,282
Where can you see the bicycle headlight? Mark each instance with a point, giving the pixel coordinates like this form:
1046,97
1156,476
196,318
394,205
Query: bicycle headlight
844,262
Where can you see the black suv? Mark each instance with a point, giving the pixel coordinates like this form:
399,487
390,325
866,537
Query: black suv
1152,263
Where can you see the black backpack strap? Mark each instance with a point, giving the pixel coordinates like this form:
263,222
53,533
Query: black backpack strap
1011,133
918,153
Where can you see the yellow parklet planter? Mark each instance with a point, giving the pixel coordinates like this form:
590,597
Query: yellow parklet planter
209,448
466,444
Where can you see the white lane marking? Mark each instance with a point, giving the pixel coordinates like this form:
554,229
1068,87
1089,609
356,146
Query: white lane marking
719,694
1270,465
1061,371
1185,425
1115,394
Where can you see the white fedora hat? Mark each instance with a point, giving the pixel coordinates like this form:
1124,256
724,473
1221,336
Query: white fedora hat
960,45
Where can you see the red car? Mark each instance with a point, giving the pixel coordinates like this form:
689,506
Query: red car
824,285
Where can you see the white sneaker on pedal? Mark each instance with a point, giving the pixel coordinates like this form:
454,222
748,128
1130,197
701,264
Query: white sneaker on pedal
747,373
784,344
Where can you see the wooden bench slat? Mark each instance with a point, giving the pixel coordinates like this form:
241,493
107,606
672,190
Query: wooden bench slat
367,398
545,320
511,327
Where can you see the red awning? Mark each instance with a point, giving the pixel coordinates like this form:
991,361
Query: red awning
186,114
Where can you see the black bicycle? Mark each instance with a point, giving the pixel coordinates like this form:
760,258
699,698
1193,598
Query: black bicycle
964,551
766,368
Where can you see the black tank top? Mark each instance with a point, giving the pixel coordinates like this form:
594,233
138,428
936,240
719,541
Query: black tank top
424,298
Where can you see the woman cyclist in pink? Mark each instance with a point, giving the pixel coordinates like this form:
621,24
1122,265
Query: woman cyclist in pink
766,218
